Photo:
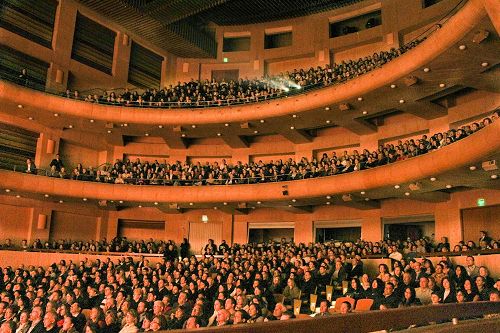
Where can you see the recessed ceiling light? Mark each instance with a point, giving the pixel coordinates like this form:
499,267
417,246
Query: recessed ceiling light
193,126
256,131
393,86
360,99
327,109
427,69
365,112
84,199
20,106
362,192
328,202
30,118
328,121
224,203
70,126
146,134
226,124
328,197
407,193
125,125
442,85
61,201
401,101
183,135
7,190
262,121
191,204
219,134
448,186
462,47
109,131
160,126
494,176
215,208
485,64
289,205
433,179
367,199
56,114
18,196
472,168
156,203
259,202
292,127
253,207
396,186
294,116
140,206
121,201
294,200
91,120
46,195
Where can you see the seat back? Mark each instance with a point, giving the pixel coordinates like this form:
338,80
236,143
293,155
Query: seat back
297,303
329,293
341,300
364,304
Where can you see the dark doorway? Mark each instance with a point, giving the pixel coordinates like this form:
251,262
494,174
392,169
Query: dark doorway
340,234
265,235
405,231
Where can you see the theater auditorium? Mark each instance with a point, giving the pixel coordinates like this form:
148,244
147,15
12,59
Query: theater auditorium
249,166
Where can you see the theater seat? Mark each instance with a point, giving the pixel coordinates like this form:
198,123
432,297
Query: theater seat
364,304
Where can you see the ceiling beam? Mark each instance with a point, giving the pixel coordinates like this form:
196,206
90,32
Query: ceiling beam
296,136
114,139
297,209
359,126
424,109
235,141
361,204
174,141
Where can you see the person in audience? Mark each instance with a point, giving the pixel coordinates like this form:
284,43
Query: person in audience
423,293
471,268
345,308
30,167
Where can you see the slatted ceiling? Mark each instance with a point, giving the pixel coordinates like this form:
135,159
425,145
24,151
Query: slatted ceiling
16,145
144,67
12,62
150,29
35,23
93,44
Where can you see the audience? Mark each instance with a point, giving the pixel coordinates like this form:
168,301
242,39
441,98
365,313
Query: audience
179,292
197,174
213,93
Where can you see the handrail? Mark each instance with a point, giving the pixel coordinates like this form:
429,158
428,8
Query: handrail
147,254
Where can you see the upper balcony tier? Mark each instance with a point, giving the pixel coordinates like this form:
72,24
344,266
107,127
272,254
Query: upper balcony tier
429,177
348,104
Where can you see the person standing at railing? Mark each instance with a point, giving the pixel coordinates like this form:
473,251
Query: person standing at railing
23,78
56,164
30,166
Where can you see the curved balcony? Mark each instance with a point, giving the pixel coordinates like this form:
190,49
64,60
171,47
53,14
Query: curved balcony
437,43
468,151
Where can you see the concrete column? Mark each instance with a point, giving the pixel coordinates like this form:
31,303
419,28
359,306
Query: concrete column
121,60
46,149
303,229
62,42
